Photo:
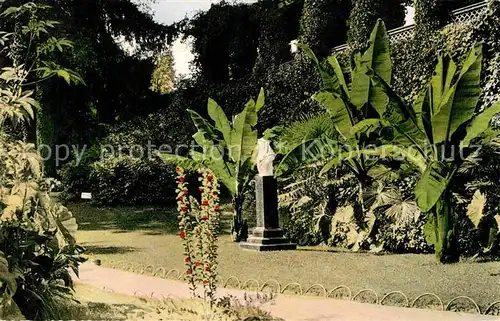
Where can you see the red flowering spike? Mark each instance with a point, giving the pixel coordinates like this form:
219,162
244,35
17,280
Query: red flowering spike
209,178
217,207
182,235
207,269
188,272
186,192
205,281
181,179
187,260
177,169
205,203
197,263
204,218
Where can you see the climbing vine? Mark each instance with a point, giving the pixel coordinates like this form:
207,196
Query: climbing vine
319,18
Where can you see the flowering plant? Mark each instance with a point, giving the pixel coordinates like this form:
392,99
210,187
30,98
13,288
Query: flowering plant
198,226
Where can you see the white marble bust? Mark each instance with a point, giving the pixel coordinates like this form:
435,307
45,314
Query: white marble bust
264,157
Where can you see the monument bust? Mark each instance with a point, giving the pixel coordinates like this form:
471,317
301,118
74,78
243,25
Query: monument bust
264,157
267,236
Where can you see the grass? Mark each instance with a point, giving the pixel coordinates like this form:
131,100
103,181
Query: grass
97,304
148,236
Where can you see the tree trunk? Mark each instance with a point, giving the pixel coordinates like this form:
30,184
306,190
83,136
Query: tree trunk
440,232
239,229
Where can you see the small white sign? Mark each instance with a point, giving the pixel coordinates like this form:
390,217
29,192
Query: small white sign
86,196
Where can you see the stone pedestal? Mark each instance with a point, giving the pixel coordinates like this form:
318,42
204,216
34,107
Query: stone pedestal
267,236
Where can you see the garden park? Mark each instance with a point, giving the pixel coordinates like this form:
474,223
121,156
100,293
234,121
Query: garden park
321,156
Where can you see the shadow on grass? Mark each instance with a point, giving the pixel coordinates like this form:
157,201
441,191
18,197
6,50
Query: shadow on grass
160,220
108,249
151,220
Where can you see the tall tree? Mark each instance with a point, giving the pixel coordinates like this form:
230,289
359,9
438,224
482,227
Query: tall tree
225,41
117,84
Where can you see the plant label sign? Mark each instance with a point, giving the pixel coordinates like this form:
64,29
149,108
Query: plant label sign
86,196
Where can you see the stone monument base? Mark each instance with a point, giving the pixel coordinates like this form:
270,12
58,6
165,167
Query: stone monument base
267,239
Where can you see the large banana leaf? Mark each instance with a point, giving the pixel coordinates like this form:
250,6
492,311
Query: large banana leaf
243,136
182,161
312,151
338,111
480,124
459,102
330,82
202,125
368,126
219,117
337,69
431,185
402,117
377,58
442,80
379,152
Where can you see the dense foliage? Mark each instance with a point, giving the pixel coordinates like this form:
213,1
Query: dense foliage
434,135
364,15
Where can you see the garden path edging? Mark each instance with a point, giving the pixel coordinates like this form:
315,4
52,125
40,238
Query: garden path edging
287,307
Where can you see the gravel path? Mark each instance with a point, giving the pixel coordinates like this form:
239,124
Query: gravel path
293,308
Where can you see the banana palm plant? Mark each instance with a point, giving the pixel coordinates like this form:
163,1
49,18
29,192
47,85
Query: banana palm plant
348,107
441,127
228,150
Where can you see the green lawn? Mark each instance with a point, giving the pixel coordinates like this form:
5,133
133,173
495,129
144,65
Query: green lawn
148,236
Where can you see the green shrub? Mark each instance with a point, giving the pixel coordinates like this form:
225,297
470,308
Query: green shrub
74,175
44,266
125,180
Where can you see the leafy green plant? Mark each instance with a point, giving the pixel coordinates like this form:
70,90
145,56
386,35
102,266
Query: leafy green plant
228,150
37,234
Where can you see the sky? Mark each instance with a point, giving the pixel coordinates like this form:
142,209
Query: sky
170,11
